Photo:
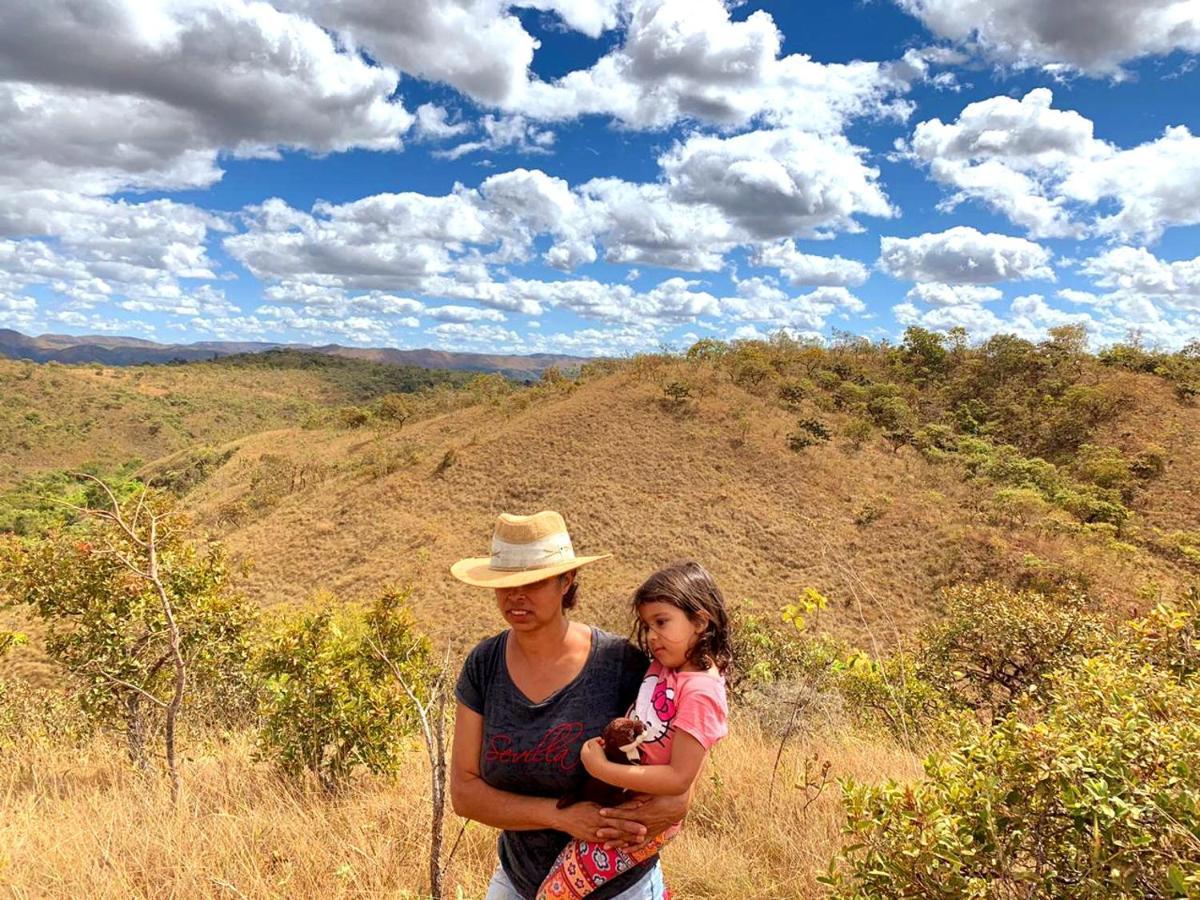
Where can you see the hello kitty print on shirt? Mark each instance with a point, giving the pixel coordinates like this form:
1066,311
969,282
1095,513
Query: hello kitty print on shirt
670,700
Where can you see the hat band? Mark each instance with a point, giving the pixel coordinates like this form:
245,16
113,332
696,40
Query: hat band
542,553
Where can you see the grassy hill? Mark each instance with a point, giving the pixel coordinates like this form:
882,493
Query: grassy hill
878,530
874,474
55,416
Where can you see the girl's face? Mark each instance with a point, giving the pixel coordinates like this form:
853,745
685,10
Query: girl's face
533,606
671,633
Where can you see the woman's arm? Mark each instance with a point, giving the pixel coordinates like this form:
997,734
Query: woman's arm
472,798
676,777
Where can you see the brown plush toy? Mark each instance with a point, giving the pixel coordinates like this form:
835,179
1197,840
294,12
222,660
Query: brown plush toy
620,738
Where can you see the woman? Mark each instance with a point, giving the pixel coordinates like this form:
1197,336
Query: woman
528,698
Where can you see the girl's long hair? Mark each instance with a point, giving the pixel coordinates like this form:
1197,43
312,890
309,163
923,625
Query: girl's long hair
688,586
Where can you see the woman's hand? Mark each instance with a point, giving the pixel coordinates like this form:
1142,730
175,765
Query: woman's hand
593,758
636,821
582,821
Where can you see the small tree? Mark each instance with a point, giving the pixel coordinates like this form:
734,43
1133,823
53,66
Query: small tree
331,702
427,690
808,433
136,613
396,408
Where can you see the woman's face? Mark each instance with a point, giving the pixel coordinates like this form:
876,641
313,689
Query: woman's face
533,606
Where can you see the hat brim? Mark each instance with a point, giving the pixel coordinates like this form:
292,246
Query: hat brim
478,571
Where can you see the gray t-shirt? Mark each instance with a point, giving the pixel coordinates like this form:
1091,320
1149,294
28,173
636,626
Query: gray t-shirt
533,748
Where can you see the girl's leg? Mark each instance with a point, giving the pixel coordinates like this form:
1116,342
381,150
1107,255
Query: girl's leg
583,866
500,888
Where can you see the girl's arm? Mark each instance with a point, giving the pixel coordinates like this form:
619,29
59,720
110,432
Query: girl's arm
676,777
472,798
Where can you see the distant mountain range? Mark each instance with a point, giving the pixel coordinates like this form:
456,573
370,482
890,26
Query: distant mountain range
128,351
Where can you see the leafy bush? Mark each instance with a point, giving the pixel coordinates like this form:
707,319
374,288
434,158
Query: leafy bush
991,645
707,348
107,626
857,432
43,501
808,433
1093,792
354,417
331,703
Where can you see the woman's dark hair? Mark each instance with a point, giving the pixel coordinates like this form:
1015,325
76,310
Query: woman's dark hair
569,598
688,586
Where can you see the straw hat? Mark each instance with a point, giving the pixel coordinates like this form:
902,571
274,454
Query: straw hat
525,549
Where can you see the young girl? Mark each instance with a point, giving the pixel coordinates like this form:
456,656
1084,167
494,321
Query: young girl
683,625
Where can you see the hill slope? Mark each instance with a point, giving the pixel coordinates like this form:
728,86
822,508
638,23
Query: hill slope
649,480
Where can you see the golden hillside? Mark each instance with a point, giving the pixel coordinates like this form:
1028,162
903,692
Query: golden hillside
636,474
56,416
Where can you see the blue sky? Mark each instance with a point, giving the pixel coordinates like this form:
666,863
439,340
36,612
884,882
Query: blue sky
598,176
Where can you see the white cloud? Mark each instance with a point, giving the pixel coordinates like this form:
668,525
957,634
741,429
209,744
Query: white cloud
503,133
1156,185
693,61
964,255
1009,154
433,123
936,294
777,183
761,300
533,202
465,314
1091,36
167,86
807,269
1043,169
1135,272
642,223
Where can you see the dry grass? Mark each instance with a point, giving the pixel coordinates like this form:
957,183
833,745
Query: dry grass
82,824
714,481
54,416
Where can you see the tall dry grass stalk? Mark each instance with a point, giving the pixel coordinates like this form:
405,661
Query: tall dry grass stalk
82,823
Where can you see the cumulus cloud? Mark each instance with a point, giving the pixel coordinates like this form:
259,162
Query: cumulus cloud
1156,185
1045,170
1008,154
1135,272
503,133
806,269
963,255
779,182
1029,316
643,223
433,123
1095,37
935,294
167,87
694,61
465,314
762,301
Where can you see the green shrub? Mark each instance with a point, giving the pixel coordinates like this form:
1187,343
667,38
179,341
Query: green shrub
992,645
808,433
707,348
1149,463
1094,792
353,417
857,432
1106,467
331,702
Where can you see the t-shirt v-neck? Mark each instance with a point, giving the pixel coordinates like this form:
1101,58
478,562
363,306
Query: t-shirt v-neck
532,749
549,698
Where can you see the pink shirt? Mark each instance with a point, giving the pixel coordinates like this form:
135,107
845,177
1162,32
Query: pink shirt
670,701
